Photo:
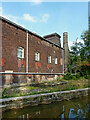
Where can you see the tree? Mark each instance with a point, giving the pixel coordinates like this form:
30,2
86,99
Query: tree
75,56
80,54
85,48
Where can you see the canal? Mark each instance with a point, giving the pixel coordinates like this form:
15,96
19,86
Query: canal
75,108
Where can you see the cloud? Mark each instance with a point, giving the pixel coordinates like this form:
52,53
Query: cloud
45,18
14,19
1,10
11,17
71,43
80,40
37,1
30,18
8,16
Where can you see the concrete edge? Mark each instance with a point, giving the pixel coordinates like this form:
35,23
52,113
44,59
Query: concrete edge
37,95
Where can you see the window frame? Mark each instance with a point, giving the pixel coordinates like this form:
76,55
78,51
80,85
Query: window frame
49,59
20,52
56,60
37,56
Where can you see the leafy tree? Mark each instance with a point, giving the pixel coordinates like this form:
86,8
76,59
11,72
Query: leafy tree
85,48
75,56
80,54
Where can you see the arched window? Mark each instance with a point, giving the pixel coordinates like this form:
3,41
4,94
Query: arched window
20,52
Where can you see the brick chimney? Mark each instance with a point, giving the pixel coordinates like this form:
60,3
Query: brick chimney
66,51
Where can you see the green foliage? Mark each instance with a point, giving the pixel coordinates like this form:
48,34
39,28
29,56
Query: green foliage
86,46
4,92
78,75
58,78
73,77
72,84
69,76
79,56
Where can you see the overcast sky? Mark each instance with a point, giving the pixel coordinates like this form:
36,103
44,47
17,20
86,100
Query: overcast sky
49,17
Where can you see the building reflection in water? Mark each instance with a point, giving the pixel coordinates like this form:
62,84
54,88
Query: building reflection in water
75,108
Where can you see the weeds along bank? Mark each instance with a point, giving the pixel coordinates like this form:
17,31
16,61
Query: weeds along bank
46,98
43,93
44,87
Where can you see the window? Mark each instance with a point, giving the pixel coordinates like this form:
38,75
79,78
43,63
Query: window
55,60
37,56
20,52
49,59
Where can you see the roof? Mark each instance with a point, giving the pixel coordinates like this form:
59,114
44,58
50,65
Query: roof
51,35
24,29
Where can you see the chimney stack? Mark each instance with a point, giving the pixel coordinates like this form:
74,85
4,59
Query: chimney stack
66,51
65,37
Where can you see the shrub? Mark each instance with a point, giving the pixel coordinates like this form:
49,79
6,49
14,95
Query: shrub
58,78
68,76
4,92
78,75
74,77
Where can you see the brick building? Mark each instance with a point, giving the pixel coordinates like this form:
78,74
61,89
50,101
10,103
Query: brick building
25,51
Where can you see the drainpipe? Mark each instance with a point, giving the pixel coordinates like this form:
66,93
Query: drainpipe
63,59
27,53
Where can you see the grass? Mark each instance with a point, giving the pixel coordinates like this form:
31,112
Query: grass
32,90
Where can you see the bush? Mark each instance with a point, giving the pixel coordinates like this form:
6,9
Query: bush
78,75
58,78
4,92
68,76
74,77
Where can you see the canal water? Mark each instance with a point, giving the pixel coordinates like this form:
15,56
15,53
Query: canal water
75,108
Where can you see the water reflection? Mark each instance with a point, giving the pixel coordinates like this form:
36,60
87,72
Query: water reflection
75,108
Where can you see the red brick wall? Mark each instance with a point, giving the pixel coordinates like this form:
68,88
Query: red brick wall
45,49
12,37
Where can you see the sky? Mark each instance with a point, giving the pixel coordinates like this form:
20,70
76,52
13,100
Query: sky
45,18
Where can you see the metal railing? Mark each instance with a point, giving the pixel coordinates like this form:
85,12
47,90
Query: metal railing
33,73
30,73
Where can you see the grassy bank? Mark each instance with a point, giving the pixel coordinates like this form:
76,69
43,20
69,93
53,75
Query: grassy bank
45,87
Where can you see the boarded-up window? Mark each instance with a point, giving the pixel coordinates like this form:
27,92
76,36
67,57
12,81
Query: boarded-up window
60,61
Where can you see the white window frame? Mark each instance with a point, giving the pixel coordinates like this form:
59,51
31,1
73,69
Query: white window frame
37,56
49,59
55,60
20,52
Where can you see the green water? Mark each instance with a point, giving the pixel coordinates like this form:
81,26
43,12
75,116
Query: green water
75,108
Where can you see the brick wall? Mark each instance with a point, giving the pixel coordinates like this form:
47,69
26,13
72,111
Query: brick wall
13,37
45,49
